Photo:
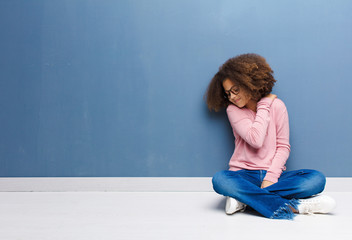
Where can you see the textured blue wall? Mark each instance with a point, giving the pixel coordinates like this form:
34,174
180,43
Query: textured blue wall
115,88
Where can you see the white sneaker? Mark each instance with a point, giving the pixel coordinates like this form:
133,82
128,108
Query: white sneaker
316,204
232,206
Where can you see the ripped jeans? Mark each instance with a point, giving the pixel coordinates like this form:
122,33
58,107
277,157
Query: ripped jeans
274,201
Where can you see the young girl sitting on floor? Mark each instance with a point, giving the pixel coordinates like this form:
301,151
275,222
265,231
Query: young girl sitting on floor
260,124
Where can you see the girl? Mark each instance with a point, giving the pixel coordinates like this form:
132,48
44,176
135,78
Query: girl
260,124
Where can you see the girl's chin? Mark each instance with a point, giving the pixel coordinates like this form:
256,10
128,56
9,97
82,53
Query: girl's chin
238,105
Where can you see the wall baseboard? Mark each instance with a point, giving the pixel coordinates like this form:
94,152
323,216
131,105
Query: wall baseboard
132,184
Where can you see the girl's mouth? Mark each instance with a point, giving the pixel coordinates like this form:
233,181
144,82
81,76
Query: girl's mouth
236,100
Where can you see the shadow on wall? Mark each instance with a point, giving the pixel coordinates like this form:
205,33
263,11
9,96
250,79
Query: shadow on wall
220,120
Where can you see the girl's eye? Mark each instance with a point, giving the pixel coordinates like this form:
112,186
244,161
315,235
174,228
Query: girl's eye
235,91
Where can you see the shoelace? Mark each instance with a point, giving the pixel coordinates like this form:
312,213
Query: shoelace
308,205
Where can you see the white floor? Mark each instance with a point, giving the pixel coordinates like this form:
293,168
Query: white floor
156,215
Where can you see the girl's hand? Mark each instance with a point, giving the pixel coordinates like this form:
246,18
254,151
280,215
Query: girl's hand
266,183
272,96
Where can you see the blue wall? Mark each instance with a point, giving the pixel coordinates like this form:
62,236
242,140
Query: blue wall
115,88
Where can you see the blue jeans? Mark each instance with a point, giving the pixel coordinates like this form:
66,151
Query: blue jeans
274,201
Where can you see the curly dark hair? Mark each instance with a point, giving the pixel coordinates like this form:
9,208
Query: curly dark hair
249,71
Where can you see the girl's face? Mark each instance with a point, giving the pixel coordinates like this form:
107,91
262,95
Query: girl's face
236,95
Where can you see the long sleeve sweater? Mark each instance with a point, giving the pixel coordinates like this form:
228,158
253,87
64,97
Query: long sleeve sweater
261,138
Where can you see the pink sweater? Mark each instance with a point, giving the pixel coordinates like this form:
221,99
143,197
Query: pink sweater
261,139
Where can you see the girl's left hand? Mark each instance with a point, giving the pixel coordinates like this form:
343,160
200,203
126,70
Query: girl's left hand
272,96
266,183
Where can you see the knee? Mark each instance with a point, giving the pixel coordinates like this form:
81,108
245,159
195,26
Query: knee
315,182
320,180
218,181
226,182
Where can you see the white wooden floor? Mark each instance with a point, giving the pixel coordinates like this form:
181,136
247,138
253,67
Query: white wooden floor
156,215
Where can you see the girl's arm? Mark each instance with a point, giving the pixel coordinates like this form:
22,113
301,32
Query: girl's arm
252,132
282,148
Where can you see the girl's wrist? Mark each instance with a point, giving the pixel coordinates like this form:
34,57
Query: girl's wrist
265,102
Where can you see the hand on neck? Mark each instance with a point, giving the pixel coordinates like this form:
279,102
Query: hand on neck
252,105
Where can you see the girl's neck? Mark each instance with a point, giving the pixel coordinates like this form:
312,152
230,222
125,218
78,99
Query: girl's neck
252,105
